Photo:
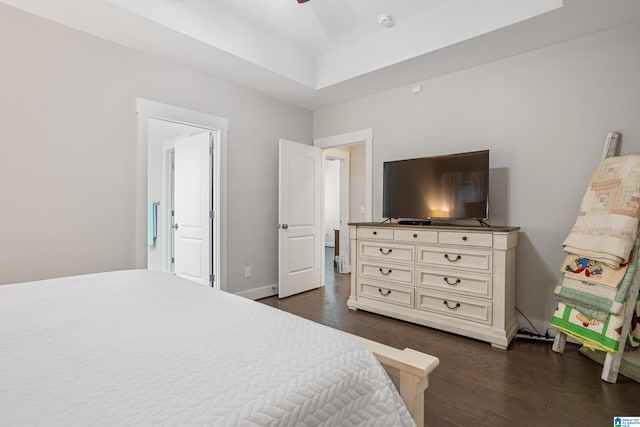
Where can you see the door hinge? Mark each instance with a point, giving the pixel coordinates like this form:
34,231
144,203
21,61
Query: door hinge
212,278
173,213
173,260
211,151
212,214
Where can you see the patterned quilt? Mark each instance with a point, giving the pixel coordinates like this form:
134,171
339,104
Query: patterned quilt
607,224
594,334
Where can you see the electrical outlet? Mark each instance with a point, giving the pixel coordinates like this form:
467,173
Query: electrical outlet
247,272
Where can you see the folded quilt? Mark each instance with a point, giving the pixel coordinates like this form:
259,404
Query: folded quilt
608,220
590,270
592,299
592,333
607,238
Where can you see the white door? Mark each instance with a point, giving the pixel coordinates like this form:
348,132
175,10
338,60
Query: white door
192,208
300,218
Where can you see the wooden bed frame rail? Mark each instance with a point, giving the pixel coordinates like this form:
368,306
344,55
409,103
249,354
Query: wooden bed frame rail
409,370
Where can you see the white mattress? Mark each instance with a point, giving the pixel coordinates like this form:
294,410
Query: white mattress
146,348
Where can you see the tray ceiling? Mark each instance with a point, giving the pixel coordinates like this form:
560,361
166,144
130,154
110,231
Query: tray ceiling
325,52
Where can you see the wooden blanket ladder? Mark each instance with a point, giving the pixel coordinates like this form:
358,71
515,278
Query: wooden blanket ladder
612,361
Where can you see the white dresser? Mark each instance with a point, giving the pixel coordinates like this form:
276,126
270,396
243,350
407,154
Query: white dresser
458,279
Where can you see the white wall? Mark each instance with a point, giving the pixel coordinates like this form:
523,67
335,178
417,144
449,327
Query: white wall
544,115
357,180
69,133
331,200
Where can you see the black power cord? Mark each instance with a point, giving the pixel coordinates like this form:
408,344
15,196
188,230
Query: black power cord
535,334
526,333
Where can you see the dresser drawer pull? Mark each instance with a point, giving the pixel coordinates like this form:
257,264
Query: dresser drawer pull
457,258
457,306
385,274
415,235
387,292
464,238
375,233
386,253
446,279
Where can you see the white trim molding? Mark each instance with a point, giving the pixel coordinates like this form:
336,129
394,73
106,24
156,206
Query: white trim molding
157,110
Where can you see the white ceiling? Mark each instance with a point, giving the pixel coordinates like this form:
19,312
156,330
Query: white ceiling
326,52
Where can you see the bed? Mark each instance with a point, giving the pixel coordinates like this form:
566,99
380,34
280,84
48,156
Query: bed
139,347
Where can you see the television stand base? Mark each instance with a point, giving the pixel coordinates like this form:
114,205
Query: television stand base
414,222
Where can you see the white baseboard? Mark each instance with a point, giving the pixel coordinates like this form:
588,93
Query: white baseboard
257,293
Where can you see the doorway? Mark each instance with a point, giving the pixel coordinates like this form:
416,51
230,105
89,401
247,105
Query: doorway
359,144
169,137
336,167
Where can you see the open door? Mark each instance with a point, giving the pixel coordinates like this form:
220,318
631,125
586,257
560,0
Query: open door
192,226
300,218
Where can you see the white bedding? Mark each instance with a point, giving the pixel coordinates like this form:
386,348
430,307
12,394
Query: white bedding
146,348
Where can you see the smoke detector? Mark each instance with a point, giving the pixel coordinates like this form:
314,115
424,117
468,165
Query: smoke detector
386,20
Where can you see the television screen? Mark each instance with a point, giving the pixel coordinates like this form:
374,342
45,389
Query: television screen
454,186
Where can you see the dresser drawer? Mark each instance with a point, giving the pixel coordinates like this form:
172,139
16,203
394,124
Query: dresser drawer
421,236
484,240
386,292
456,258
477,285
398,273
478,311
386,251
375,233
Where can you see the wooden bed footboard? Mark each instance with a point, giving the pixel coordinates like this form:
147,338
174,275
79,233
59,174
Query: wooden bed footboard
409,370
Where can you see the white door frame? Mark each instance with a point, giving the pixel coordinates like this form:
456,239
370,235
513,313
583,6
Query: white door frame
356,137
155,110
168,152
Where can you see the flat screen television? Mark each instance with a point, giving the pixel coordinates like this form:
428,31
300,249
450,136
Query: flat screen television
449,187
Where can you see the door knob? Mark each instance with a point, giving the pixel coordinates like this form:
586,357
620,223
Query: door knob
285,226
174,226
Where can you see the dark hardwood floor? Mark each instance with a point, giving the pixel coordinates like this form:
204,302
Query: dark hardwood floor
476,385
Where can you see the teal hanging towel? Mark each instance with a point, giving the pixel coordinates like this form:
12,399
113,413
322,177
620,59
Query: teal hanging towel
152,223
